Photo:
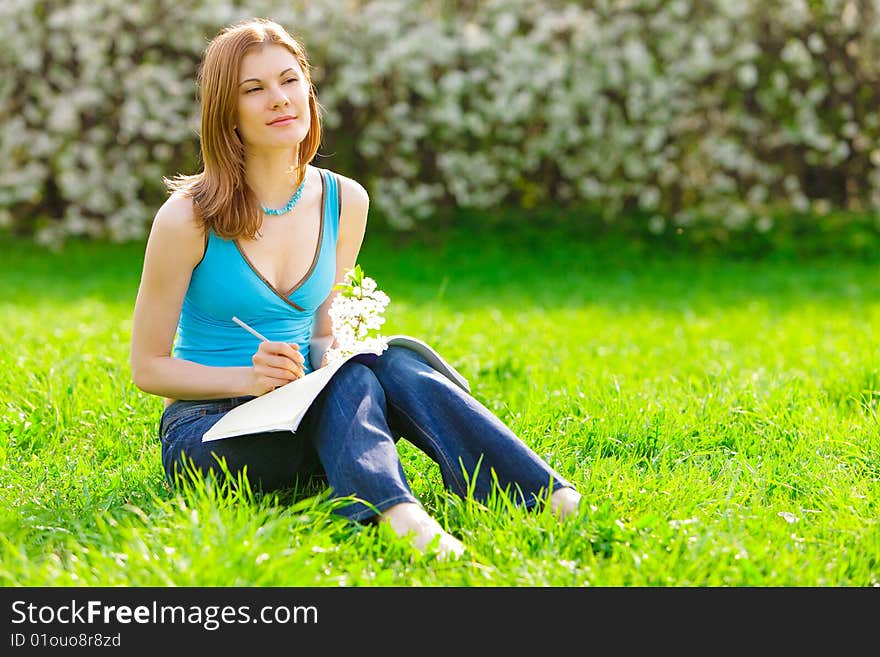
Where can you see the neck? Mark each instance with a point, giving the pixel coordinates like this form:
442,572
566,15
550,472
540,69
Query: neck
272,176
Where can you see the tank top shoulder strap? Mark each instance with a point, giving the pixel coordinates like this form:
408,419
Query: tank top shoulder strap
333,197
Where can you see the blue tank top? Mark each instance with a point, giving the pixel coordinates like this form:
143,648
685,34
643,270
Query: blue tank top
225,284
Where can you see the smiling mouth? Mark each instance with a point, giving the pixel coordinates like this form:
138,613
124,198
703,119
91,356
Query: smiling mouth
286,119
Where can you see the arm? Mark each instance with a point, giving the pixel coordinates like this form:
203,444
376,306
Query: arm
352,226
175,246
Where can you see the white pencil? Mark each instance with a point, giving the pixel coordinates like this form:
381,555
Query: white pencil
247,328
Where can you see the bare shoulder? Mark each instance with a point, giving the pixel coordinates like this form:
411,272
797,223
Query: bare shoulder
176,229
352,187
353,193
177,213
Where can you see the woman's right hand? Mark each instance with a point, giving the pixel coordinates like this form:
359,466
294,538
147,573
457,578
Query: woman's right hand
275,364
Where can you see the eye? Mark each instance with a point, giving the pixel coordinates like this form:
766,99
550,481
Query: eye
252,89
289,80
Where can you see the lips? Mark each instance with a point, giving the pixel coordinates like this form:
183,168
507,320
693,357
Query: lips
281,120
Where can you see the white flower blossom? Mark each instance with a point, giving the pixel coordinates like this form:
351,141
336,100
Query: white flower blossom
356,316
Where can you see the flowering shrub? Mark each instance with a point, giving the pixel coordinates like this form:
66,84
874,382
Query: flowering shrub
688,111
356,316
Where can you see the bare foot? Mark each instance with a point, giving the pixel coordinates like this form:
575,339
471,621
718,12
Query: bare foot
564,502
410,518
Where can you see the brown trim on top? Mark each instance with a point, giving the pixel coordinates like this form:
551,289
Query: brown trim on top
285,297
264,279
320,239
339,199
207,232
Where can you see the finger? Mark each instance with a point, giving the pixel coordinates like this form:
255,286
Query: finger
270,347
275,382
270,383
274,373
269,361
284,363
284,371
293,352
290,350
283,349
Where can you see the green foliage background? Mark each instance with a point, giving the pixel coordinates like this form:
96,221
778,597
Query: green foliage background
717,118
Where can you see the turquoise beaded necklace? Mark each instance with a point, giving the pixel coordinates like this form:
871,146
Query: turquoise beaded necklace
290,204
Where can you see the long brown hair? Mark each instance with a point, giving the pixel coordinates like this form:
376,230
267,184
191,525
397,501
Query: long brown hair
223,200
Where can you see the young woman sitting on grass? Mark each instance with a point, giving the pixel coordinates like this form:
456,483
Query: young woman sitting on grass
263,234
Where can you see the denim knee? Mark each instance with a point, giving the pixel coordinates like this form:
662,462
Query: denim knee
398,362
355,378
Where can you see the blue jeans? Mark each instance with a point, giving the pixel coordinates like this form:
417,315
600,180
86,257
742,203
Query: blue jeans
349,435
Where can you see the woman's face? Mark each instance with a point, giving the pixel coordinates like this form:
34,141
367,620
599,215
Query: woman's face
273,99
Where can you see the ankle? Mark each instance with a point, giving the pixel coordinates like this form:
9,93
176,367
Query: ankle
404,517
409,518
565,502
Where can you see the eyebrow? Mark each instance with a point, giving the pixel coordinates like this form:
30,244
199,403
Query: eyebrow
258,80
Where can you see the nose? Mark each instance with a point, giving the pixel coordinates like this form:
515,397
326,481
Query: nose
280,99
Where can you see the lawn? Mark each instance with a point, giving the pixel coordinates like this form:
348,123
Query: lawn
719,416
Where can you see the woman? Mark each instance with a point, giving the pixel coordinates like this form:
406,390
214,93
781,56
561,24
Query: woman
263,235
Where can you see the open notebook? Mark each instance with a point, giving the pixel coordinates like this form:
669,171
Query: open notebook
284,408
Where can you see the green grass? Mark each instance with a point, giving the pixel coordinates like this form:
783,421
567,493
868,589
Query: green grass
718,415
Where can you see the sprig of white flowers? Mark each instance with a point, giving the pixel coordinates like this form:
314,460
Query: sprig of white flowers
356,316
